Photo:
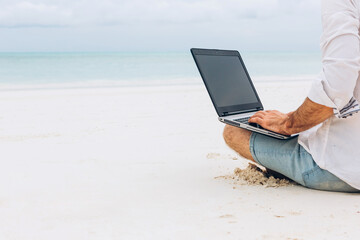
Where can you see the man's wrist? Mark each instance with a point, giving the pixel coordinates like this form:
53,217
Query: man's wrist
288,125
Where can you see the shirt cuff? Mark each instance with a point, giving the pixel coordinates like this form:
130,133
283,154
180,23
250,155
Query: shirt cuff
318,95
351,108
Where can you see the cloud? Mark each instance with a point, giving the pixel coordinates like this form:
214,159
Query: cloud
23,14
48,13
158,25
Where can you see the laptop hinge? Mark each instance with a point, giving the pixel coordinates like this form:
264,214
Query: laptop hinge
239,112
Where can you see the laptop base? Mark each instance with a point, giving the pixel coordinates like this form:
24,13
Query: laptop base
257,129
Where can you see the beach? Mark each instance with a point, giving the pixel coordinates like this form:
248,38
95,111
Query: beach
144,163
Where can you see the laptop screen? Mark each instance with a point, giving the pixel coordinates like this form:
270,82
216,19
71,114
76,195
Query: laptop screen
228,78
227,81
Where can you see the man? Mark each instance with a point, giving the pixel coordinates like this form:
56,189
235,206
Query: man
326,155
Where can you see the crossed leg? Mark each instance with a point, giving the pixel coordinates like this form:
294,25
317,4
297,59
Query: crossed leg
239,140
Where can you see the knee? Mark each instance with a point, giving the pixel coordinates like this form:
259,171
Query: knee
238,139
228,134
235,136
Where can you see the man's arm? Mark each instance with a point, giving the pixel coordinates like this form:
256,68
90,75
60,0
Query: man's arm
308,115
341,65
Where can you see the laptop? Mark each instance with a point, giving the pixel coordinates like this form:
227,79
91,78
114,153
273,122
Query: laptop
230,88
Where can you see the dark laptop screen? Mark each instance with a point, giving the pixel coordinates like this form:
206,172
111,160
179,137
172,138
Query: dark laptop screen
226,80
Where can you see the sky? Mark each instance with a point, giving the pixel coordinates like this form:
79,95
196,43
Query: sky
159,25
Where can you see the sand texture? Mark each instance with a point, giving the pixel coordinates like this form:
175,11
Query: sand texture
134,163
254,175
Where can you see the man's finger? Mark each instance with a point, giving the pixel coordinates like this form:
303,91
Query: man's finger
255,117
256,120
258,114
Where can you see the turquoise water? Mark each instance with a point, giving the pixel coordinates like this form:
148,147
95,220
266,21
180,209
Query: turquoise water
138,68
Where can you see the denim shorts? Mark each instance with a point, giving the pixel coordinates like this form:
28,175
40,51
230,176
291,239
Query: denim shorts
290,159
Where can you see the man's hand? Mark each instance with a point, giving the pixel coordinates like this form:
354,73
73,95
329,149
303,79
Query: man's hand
308,115
272,120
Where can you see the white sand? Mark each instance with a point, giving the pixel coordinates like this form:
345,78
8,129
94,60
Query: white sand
134,163
255,174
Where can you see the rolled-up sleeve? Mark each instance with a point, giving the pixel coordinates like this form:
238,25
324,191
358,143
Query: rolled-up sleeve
340,45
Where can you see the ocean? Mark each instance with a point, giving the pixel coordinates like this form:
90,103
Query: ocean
53,70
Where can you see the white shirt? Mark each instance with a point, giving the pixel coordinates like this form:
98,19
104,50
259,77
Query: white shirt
335,144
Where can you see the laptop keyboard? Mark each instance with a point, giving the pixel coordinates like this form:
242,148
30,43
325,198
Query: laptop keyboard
242,120
246,121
